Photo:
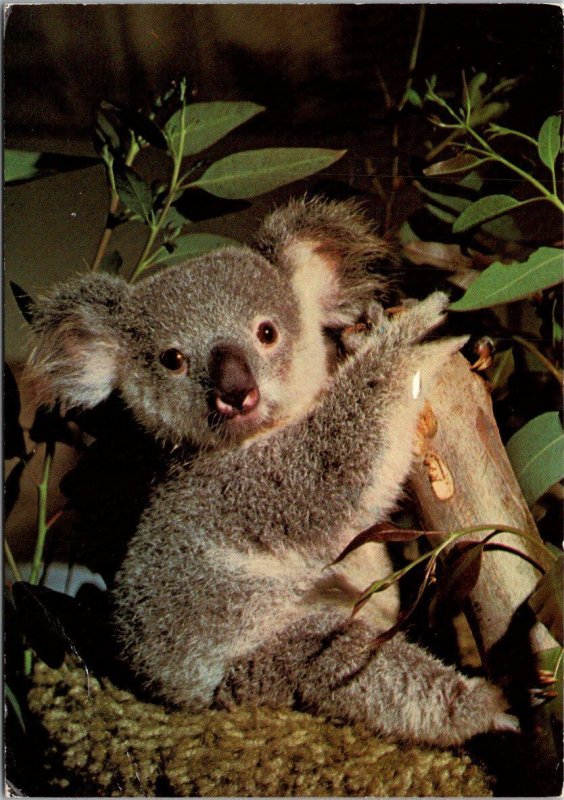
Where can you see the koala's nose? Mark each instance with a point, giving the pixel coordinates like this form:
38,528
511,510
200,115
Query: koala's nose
234,389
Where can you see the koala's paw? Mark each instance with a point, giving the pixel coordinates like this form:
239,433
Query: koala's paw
478,707
417,319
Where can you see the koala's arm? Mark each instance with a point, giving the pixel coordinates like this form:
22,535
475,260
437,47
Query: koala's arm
341,468
396,689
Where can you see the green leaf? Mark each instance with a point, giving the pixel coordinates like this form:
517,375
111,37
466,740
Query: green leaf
536,453
15,705
505,283
413,97
141,125
548,597
549,140
192,245
482,210
25,304
406,234
134,193
486,113
503,228
255,172
474,93
503,367
206,123
20,165
472,181
452,202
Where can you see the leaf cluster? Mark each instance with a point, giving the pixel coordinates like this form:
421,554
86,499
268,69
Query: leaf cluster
195,188
484,230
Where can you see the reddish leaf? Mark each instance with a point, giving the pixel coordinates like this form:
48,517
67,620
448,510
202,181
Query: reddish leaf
454,588
381,532
459,163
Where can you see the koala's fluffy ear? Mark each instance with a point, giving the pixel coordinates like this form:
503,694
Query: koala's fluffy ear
76,342
332,253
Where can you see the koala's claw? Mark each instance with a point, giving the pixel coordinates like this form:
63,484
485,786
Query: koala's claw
484,708
506,722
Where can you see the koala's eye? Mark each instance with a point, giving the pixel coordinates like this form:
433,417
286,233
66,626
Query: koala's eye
267,333
174,360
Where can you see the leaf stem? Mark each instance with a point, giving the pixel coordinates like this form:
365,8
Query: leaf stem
11,561
552,197
384,583
42,525
145,259
113,207
498,130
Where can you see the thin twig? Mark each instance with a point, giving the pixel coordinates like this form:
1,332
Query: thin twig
557,373
11,561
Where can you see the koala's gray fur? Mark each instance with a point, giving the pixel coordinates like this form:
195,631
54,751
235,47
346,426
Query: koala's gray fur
223,596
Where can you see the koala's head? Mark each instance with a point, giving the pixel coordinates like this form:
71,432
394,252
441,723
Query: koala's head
221,347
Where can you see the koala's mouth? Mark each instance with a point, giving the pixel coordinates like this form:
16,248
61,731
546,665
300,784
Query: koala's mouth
237,404
237,416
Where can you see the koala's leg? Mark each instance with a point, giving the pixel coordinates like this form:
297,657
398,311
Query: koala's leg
396,689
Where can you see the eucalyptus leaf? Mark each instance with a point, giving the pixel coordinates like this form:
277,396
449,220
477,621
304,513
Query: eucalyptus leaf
413,97
12,699
254,172
438,212
21,165
536,453
483,210
25,304
207,123
452,202
485,114
460,163
473,92
550,140
473,181
505,283
503,228
190,246
134,193
141,125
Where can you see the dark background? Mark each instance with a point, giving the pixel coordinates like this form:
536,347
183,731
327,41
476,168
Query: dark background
314,66
317,68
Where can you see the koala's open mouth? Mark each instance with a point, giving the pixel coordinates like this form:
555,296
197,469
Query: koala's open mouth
235,425
239,403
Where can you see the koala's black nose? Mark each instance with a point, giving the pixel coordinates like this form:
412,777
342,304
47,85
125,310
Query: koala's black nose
233,387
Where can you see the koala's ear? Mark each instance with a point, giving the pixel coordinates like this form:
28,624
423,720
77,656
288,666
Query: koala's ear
332,253
77,340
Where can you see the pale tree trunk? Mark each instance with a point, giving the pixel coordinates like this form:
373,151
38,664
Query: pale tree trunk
462,477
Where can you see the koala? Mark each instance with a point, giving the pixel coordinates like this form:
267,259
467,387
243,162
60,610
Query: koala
289,435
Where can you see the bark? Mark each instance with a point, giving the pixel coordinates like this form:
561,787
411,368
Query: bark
462,477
